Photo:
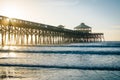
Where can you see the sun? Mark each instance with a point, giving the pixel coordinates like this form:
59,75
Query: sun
11,11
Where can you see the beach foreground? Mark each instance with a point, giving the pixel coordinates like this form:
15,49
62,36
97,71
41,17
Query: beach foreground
83,61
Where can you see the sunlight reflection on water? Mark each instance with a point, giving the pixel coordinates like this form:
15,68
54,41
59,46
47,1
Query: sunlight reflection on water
11,54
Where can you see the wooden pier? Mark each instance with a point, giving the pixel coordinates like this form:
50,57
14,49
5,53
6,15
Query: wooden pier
21,32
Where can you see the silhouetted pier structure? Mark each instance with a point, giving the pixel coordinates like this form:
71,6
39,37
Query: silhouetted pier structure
21,32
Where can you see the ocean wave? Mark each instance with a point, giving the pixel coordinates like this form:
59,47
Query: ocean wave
101,46
64,67
67,52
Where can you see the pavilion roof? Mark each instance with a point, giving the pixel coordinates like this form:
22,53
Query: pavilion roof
82,25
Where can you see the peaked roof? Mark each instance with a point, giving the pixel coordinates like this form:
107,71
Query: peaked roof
82,25
61,26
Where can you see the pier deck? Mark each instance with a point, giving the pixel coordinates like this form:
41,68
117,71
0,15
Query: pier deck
21,32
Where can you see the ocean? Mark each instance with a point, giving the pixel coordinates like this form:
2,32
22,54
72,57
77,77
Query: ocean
79,61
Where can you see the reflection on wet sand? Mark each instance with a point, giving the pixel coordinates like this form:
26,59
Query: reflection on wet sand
36,73
9,73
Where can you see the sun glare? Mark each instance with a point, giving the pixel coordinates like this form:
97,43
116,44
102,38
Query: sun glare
11,11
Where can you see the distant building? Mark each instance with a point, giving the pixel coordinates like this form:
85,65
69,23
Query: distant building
83,28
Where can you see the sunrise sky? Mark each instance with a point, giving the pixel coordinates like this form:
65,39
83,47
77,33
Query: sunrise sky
101,15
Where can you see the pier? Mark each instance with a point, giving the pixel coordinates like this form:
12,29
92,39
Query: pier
22,32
